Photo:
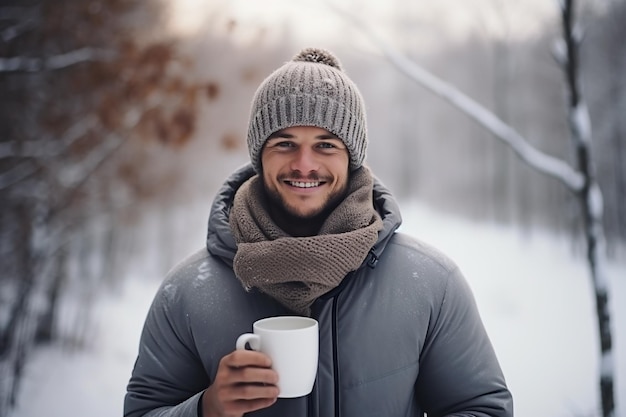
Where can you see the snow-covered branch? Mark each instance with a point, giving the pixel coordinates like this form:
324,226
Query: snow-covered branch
75,179
539,160
48,147
16,30
54,62
16,174
76,174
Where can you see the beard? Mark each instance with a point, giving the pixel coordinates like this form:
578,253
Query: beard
288,218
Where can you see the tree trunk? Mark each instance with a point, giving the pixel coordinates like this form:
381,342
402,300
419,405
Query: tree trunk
590,197
46,326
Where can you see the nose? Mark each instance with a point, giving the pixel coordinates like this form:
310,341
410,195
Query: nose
304,161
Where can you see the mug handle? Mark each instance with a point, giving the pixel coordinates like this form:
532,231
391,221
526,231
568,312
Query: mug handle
254,340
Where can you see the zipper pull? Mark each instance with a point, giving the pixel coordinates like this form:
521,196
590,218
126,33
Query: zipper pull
372,259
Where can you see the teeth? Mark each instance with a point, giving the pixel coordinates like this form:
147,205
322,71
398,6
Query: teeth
301,184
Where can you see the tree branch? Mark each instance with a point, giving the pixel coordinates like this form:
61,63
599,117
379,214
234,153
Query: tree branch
22,18
47,147
78,175
16,174
55,62
16,30
75,175
537,159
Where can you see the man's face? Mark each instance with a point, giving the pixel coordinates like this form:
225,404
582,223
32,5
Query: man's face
305,170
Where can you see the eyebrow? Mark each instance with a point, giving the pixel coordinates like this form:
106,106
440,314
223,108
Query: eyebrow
285,135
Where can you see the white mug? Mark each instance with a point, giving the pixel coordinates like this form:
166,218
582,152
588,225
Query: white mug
292,342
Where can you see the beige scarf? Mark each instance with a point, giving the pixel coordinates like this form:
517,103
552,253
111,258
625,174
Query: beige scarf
297,270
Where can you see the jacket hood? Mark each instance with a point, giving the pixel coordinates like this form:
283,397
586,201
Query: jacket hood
220,241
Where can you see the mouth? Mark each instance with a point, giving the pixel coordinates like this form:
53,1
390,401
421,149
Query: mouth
304,184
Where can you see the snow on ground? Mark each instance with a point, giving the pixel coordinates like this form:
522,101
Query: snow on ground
534,295
65,382
537,303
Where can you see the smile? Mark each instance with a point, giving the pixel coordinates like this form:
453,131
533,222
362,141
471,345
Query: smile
303,184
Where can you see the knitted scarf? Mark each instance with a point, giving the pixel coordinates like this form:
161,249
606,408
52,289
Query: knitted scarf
297,270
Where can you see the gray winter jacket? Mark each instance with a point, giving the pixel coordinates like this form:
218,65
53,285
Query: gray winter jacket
400,337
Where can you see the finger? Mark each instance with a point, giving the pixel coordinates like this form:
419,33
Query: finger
240,408
251,392
254,375
231,372
249,383
247,406
214,403
243,358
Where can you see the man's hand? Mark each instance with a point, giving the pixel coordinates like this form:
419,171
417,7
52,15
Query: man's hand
244,383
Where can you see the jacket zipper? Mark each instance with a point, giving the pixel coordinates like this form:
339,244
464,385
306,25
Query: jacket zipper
335,296
335,358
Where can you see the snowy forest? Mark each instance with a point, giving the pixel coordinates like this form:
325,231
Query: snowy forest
114,116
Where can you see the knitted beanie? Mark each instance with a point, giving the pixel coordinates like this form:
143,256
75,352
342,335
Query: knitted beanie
309,90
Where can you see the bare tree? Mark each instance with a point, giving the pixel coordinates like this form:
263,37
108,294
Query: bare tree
579,179
85,85
567,52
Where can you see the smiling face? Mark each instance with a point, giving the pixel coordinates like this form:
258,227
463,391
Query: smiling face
305,170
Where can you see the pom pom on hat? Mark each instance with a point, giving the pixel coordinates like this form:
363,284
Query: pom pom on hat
309,90
320,56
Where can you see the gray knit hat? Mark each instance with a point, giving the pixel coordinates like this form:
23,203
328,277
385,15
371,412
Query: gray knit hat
309,90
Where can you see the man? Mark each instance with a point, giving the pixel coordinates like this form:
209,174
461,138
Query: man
306,229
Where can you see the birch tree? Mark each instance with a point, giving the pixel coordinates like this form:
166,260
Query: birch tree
579,179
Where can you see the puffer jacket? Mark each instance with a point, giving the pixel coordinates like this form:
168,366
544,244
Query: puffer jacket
401,336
